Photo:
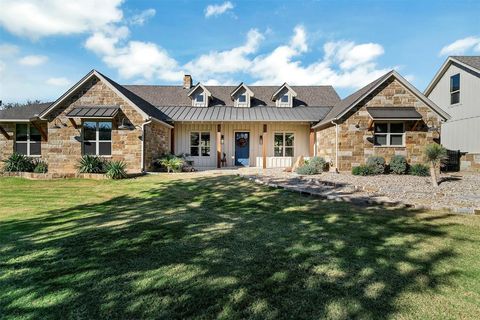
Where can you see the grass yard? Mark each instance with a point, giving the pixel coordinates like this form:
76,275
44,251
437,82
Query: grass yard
221,247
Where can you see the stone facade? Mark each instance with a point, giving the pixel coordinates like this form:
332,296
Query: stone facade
63,149
470,162
356,139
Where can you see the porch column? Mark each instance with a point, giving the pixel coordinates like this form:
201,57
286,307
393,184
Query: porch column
219,145
312,143
172,141
264,147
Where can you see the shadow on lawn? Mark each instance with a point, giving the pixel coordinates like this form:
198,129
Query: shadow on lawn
215,247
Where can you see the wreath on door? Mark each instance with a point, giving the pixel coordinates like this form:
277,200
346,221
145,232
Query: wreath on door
241,142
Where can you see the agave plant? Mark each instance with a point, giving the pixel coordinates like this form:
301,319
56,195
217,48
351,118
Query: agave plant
91,164
436,155
18,163
116,170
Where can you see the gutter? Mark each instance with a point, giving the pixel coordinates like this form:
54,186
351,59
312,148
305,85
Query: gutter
142,156
336,144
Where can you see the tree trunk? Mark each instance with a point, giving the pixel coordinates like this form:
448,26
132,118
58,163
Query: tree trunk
433,174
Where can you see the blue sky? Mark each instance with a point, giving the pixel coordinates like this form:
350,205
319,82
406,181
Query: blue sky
46,46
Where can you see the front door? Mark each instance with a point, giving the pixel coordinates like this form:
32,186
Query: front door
242,149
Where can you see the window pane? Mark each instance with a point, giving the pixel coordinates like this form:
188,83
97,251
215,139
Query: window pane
194,151
242,98
105,131
381,127
21,148
278,139
396,140
455,82
206,151
289,139
89,148
205,139
396,127
35,148
21,132
455,98
288,152
194,139
89,130
380,140
278,151
105,148
285,98
35,134
199,97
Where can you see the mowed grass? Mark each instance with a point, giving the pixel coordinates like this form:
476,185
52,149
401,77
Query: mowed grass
189,246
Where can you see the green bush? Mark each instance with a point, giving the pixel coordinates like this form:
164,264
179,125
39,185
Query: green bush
91,164
116,169
318,163
398,165
307,169
363,170
171,163
376,164
18,163
419,170
40,167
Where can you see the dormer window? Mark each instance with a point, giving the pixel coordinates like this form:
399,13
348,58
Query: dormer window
199,95
283,96
241,96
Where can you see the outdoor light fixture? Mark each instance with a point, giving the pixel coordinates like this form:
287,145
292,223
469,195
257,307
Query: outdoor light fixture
261,140
124,126
58,126
222,139
431,126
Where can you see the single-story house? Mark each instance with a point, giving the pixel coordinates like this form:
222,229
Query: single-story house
216,126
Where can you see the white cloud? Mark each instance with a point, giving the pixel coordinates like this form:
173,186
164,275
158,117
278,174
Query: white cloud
141,18
7,50
104,42
33,60
461,46
218,9
39,18
59,82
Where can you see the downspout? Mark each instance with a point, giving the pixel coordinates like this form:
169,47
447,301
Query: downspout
336,144
142,155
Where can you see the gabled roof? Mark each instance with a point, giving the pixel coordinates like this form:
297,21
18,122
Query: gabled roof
342,107
469,62
242,85
285,85
199,85
24,113
143,107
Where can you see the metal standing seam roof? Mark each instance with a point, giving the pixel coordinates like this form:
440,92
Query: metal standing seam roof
224,113
93,112
379,113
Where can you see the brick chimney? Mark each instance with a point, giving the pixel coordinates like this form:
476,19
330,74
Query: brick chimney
187,81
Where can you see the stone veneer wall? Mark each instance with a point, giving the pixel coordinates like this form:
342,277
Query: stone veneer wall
356,144
470,162
65,149
157,142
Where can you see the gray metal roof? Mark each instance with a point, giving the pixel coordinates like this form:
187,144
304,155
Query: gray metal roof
93,112
472,61
164,96
24,112
226,113
379,113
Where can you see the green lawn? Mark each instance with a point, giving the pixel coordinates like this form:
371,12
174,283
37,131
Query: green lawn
221,247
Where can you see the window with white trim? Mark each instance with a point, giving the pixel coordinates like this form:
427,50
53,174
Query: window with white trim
283,144
28,140
97,138
200,144
242,98
284,98
389,134
199,98
455,89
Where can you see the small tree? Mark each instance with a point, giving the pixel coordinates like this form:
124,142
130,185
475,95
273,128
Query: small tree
436,155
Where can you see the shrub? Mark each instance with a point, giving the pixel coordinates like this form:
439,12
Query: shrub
40,167
419,170
307,169
363,170
91,164
171,163
376,164
398,165
116,169
18,163
318,163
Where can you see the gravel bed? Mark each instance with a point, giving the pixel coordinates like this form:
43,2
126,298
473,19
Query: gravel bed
458,192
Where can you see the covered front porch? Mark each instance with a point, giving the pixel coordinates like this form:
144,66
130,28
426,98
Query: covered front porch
243,144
